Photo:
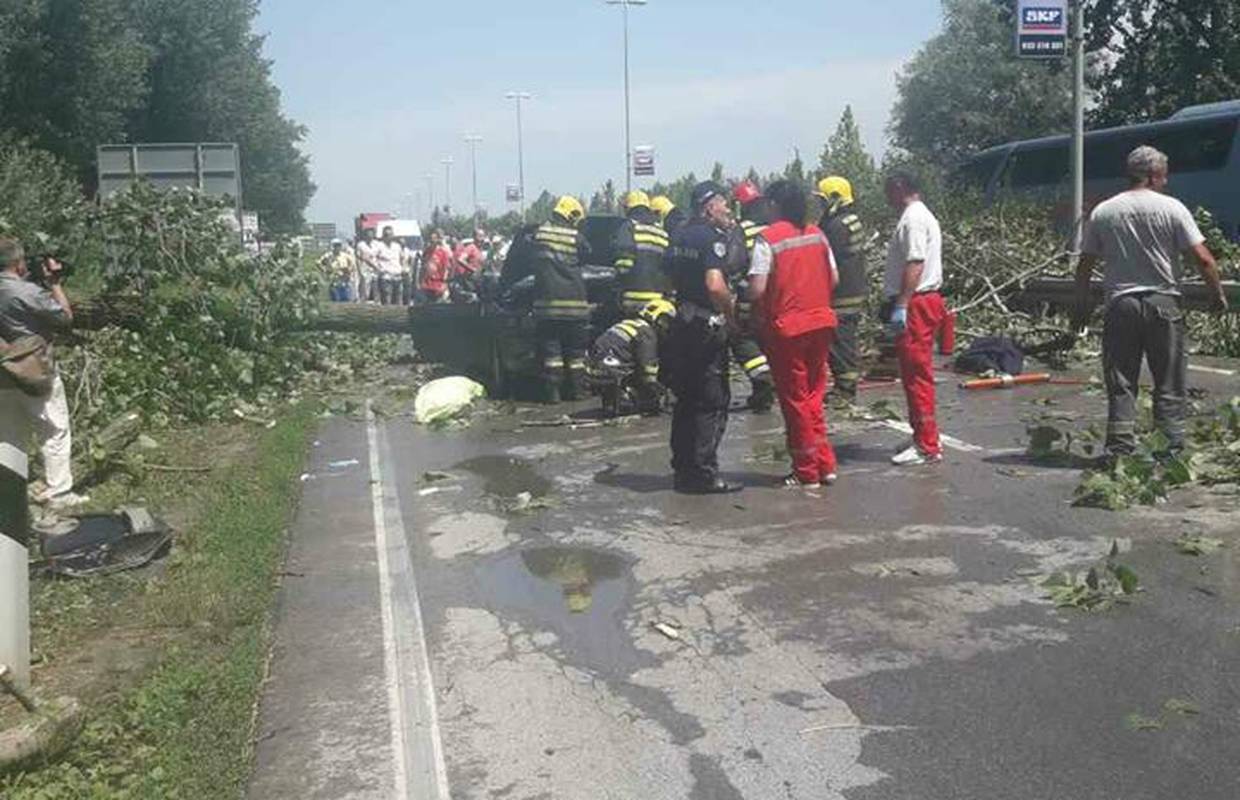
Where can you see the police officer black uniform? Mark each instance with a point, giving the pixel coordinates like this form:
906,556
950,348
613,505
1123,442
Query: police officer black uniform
695,365
846,233
552,254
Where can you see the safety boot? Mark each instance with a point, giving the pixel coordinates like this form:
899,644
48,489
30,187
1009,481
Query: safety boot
761,397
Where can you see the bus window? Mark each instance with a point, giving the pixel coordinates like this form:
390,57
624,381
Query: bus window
980,170
1046,165
1201,147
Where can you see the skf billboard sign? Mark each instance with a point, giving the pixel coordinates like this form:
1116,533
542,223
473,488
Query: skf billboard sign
1042,29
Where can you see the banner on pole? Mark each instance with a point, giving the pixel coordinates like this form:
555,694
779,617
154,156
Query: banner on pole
513,193
643,161
1042,29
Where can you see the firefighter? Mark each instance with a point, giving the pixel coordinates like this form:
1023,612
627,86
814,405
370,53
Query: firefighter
695,362
552,254
846,233
755,215
640,245
670,217
624,362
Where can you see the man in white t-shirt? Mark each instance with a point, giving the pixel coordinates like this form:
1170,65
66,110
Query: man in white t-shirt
1139,235
392,261
911,284
367,266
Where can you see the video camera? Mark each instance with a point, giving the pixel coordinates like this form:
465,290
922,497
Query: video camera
37,264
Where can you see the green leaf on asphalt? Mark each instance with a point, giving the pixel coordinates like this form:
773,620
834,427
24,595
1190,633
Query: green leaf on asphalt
1185,708
1128,580
1193,545
1140,722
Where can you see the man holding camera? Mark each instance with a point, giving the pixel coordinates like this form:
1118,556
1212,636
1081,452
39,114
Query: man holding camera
42,309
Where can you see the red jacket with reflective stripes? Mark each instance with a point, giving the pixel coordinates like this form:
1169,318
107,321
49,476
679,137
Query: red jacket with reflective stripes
798,290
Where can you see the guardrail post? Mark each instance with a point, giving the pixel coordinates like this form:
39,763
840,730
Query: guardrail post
14,564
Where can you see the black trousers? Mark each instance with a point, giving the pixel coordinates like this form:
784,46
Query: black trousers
562,347
696,369
845,358
1144,327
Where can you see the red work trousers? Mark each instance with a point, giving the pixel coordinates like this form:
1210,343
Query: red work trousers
798,365
915,350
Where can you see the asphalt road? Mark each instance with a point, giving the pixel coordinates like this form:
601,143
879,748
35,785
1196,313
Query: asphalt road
546,619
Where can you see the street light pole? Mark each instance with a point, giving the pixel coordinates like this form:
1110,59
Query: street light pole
1078,126
519,96
628,131
473,140
447,185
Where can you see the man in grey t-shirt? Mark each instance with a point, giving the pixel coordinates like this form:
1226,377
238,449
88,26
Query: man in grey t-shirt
27,309
1140,235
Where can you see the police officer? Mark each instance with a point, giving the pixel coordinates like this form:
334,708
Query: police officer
552,254
640,245
695,366
756,214
846,233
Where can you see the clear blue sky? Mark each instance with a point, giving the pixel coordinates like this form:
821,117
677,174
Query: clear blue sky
388,90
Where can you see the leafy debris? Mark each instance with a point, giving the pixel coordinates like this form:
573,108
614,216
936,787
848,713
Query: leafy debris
1197,545
1099,588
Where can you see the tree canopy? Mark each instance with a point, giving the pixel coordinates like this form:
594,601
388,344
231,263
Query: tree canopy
75,74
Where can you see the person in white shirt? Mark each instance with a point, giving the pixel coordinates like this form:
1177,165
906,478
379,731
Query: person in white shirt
1139,235
915,311
367,266
392,261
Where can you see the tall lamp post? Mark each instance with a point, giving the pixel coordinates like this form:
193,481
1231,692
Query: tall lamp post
447,185
473,140
519,97
628,132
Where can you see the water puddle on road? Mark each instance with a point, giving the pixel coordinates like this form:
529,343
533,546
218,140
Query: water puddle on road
580,594
504,476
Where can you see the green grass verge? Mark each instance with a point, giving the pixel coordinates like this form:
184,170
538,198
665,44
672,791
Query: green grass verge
186,730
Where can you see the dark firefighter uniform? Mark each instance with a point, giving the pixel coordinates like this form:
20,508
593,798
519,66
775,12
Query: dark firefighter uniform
640,246
744,345
846,233
624,359
552,254
695,362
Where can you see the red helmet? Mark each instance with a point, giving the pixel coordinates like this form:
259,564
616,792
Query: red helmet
745,193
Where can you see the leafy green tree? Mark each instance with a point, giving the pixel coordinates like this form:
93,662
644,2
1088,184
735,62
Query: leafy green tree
846,156
540,210
965,90
604,200
716,173
1154,57
795,171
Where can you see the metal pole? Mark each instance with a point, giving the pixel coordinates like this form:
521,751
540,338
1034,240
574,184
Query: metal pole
628,134
520,159
447,190
430,195
14,559
473,141
1078,125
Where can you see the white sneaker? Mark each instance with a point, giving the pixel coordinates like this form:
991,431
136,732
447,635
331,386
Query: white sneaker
67,500
913,457
793,482
830,479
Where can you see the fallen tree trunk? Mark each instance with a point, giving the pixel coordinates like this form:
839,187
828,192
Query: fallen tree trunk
1062,292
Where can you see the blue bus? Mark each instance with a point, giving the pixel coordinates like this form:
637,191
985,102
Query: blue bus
1201,142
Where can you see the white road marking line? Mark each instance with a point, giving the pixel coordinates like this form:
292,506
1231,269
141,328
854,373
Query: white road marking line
948,441
404,646
1212,370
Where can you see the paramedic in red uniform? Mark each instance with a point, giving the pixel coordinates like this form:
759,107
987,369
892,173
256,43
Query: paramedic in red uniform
914,311
791,276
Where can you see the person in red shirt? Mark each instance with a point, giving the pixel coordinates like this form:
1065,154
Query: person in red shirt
791,277
436,270
470,258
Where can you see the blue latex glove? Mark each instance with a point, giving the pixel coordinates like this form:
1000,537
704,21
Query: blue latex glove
898,321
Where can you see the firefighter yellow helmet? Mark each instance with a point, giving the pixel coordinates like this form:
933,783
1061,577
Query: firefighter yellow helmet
635,199
656,310
662,205
836,189
570,208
